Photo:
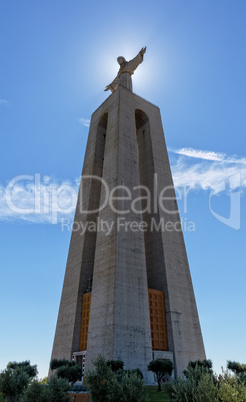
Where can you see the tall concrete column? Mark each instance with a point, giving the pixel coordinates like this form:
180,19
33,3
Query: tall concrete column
119,325
126,149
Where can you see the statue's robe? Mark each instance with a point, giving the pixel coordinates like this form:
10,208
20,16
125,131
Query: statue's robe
124,74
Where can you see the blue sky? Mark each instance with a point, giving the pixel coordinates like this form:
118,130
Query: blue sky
56,59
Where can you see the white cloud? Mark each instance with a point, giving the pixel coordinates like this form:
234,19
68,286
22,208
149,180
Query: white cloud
205,177
85,122
208,155
197,153
37,200
46,200
4,102
209,172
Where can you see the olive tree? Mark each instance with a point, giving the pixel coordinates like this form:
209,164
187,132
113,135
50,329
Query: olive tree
161,367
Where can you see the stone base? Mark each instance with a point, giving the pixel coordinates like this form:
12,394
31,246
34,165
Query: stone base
162,354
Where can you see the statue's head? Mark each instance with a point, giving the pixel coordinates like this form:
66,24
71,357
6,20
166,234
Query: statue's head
121,60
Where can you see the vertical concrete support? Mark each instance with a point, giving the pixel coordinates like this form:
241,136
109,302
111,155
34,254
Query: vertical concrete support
126,147
166,259
81,254
119,324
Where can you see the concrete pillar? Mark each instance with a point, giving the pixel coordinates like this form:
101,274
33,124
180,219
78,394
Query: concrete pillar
126,148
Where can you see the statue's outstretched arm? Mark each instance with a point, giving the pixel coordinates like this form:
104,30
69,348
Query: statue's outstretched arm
113,86
143,50
134,63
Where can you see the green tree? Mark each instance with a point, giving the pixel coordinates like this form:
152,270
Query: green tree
34,392
114,386
56,363
197,368
231,388
54,391
115,365
67,369
127,386
26,366
15,378
236,367
161,368
136,371
43,380
203,365
239,370
200,384
99,380
190,390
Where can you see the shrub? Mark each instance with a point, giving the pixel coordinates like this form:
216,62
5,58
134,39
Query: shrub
201,385
115,365
231,388
99,380
43,380
127,386
197,368
35,392
190,390
55,391
108,385
136,371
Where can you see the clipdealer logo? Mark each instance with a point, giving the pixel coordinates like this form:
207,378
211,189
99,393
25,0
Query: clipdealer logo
29,195
122,224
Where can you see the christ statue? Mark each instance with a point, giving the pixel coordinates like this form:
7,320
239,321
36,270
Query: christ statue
127,68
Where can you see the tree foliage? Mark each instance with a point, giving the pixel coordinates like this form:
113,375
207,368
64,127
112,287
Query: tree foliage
15,378
196,369
106,384
202,385
136,371
236,367
26,366
43,380
127,386
231,389
13,383
189,390
54,391
56,363
161,368
115,365
67,369
239,370
206,364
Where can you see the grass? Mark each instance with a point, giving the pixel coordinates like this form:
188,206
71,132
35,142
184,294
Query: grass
1,398
155,396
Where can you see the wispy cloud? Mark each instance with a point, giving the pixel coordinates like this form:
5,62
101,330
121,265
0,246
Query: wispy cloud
199,154
38,200
208,155
47,200
205,170
4,102
85,122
